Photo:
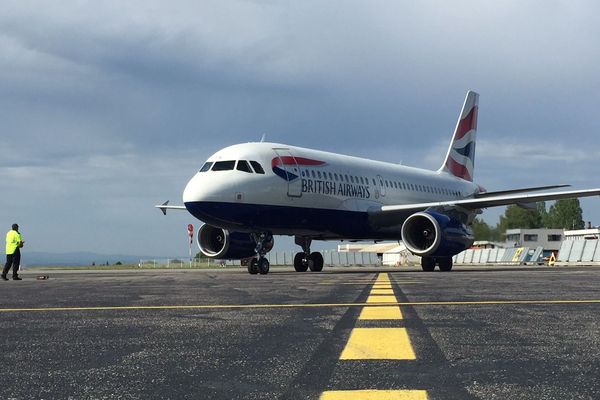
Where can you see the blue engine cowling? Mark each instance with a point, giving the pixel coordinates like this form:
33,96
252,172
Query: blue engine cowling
222,244
432,234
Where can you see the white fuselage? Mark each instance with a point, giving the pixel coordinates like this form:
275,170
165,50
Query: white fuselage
310,192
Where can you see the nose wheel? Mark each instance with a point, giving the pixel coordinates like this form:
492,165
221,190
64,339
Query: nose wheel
444,263
260,264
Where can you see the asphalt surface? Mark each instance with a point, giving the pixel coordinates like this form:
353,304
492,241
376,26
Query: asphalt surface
476,333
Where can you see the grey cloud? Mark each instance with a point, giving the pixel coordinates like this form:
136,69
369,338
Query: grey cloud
105,97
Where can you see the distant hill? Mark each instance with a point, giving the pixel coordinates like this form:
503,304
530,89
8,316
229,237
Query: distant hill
78,258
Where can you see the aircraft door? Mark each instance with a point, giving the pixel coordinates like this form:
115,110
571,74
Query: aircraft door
380,185
289,170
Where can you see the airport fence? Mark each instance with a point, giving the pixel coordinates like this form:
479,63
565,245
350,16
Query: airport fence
579,252
330,258
498,256
176,263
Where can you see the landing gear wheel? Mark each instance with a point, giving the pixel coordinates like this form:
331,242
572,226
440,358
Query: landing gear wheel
300,264
445,263
428,263
263,266
253,266
317,262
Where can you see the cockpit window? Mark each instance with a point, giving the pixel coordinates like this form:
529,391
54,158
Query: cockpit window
223,165
206,166
257,167
243,165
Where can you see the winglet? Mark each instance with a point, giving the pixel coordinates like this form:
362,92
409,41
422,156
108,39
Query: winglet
164,207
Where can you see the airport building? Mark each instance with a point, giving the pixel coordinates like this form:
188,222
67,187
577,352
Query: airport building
548,239
586,234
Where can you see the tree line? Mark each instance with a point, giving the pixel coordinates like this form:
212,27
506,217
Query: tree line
563,214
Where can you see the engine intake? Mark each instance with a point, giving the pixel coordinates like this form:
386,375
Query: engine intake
430,233
222,244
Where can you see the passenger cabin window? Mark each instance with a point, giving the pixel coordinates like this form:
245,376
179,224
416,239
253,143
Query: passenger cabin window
257,167
206,166
243,165
223,165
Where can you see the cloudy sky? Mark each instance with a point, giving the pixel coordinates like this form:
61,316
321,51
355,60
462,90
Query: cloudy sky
108,108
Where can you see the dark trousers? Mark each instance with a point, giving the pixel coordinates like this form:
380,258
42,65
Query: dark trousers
13,260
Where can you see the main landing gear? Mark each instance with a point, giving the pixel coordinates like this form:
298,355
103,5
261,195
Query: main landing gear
444,263
264,244
305,259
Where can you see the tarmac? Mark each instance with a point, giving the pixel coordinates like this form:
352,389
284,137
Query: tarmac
344,333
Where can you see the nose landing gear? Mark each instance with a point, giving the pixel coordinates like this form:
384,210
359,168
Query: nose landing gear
264,244
444,263
305,259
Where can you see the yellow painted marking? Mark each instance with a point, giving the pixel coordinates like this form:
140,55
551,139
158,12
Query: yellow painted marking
382,291
378,344
384,312
381,299
374,395
374,302
362,284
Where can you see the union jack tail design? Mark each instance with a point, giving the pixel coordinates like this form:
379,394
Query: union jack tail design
460,159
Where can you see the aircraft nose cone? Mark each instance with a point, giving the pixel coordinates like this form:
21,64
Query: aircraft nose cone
192,191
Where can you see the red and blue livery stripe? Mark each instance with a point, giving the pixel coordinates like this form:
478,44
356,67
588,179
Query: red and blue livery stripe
287,167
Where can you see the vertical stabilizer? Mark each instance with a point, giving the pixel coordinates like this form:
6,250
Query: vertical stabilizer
460,159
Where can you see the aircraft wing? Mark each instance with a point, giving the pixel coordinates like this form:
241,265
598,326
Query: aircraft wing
164,207
515,191
492,201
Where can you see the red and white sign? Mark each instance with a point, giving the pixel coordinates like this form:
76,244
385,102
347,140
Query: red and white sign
191,232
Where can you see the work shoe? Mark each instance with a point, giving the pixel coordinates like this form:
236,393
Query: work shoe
4,277
16,278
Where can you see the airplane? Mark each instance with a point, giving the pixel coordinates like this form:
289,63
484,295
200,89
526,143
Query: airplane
246,193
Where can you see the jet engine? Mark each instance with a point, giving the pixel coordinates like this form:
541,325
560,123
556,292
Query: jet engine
433,234
222,244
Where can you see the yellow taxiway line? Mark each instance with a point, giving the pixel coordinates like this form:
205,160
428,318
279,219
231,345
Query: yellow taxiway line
378,344
374,395
380,312
313,305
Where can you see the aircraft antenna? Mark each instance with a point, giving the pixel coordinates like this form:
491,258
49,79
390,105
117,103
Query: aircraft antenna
263,137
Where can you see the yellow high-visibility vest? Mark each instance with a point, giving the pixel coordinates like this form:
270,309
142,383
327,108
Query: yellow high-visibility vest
13,240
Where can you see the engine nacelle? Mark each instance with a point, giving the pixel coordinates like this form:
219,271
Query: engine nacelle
222,244
433,234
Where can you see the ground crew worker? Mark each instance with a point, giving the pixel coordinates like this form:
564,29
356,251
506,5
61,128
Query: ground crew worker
14,242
